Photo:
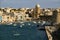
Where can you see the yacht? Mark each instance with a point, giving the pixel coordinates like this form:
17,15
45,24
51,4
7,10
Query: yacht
14,24
34,22
17,34
21,26
9,23
29,24
21,22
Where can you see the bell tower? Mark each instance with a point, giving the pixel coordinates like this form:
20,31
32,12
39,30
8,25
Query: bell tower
37,10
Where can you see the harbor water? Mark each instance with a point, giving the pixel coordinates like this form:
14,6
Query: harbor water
22,31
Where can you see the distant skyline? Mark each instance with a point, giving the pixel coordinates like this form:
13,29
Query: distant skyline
30,3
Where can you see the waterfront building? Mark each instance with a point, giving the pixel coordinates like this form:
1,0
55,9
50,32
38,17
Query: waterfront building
30,12
48,12
46,15
58,15
7,10
37,13
7,18
13,10
1,12
21,16
23,10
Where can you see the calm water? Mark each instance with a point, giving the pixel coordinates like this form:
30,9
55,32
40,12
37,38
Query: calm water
28,31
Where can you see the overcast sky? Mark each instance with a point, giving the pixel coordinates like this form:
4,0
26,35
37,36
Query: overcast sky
30,3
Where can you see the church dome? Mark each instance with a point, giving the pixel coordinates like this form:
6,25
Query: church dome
37,5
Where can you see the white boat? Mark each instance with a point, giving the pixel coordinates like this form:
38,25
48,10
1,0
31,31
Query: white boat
39,22
34,22
9,23
21,26
29,24
14,24
43,22
16,34
21,22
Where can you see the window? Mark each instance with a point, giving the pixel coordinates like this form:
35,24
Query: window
7,17
25,16
21,17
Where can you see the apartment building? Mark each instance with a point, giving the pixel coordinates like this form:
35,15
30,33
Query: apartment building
24,14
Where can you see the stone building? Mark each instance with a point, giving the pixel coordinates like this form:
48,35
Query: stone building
8,9
36,13
21,15
58,15
7,18
1,12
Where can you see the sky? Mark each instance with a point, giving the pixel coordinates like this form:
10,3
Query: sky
30,3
